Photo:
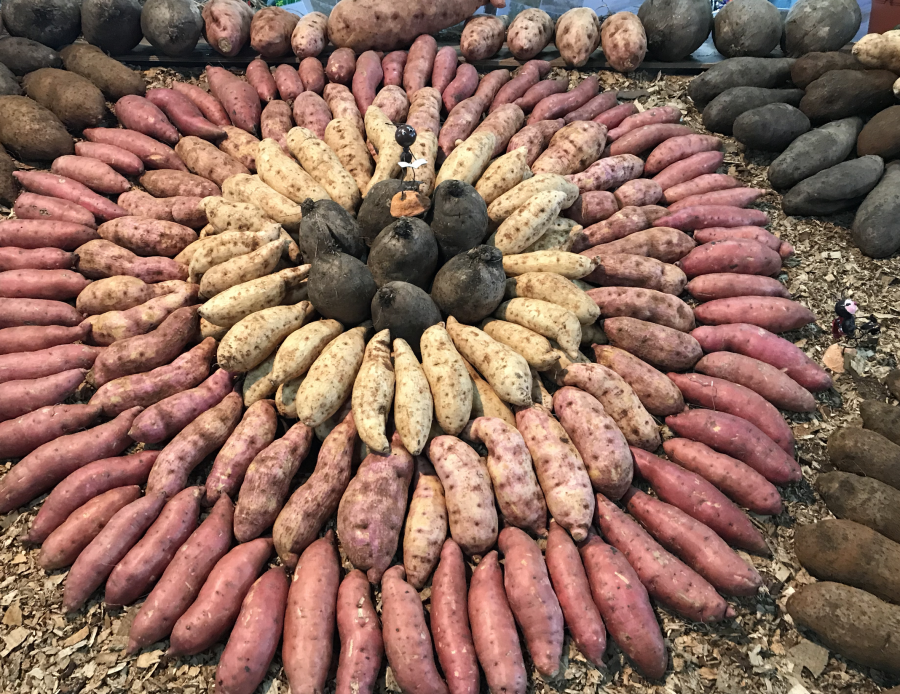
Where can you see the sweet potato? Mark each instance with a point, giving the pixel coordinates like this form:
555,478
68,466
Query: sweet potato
24,434
593,108
732,197
141,115
704,183
148,237
699,499
444,70
53,185
753,341
646,137
503,122
19,366
38,233
206,160
12,258
558,105
366,78
625,606
275,122
208,105
644,304
310,36
625,222
698,165
624,41
32,206
462,87
259,76
271,31
227,25
482,37
863,500
239,98
122,292
313,74
572,149
19,397
97,560
26,338
766,380
341,66
254,639
154,154
369,525
865,452
426,526
113,326
678,149
419,64
739,438
183,578
667,579
664,244
407,642
362,646
770,313
656,392
41,284
608,173
577,35
614,116
625,270
657,344
219,600
735,479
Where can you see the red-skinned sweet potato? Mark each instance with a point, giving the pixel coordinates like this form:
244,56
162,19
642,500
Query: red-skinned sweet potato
21,397
312,73
656,392
22,366
260,78
752,233
592,207
462,87
608,173
100,259
704,183
756,342
141,115
558,105
41,284
740,256
139,570
769,382
123,161
625,606
240,100
690,218
53,185
659,345
731,197
22,435
362,646
366,78
686,170
701,500
392,66
527,76
154,154
646,137
444,69
726,285
183,578
589,111
209,105
12,258
33,206
679,148
774,314
341,66
644,304
614,116
39,233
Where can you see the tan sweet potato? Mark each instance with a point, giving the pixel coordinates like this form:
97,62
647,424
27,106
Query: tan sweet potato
624,41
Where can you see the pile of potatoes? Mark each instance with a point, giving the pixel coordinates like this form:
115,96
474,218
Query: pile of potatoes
489,372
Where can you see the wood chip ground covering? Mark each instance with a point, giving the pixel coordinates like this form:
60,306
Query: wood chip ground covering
758,652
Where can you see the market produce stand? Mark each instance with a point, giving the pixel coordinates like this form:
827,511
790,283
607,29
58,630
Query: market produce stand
567,415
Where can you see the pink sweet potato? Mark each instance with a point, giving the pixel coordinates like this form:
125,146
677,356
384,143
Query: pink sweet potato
623,223
147,237
771,383
407,643
341,65
450,622
311,112
369,521
752,233
22,312
139,570
12,258
226,25
85,484
671,583
739,256
39,233
695,543
704,183
659,345
366,78
758,343
393,102
138,113
113,326
644,304
625,606
732,197
690,218
744,485
62,546
494,629
419,64
113,542
392,66
312,73
192,444
206,160
602,446
512,89
573,591
260,78
592,207
181,209
310,617
275,122
425,111
592,109
22,366
167,183
608,173
92,173
100,259
725,285
535,138
121,160
698,498
558,105
32,206
444,69
46,183
531,597
656,115
239,98
739,438
185,372
183,578
209,105
22,435
539,91
504,122
58,285
362,647
639,192
657,393
614,116
462,87
771,313
271,30
24,396
266,483
26,338
253,641
289,83
646,137
686,170
218,603
680,148
460,123
154,154
314,502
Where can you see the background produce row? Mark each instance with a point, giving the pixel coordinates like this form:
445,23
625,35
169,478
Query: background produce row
573,233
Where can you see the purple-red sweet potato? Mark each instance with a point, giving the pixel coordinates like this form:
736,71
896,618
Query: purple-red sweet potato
679,148
53,185
121,160
652,116
592,207
690,218
12,258
771,313
34,206
239,98
341,65
38,312
646,137
362,646
58,285
730,197
558,105
608,173
644,304
21,366
21,397
260,78
704,183
656,392
614,116
589,111
22,435
209,105
141,115
696,166
366,78
758,234
154,154
659,345
462,87
392,66
771,383
40,233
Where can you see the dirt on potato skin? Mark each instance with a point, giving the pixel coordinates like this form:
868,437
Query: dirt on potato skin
760,651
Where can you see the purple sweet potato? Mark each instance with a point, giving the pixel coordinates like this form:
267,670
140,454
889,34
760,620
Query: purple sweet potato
185,372
41,233
85,484
183,578
21,397
98,559
154,154
771,383
22,435
139,570
23,366
362,646
192,444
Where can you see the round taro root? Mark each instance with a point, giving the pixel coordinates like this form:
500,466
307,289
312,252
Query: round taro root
341,287
471,285
404,251
406,310
747,27
460,220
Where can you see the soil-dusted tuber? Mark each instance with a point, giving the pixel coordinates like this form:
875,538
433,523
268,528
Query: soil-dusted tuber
341,287
113,26
32,132
55,23
675,28
406,310
328,226
460,220
405,251
172,26
470,286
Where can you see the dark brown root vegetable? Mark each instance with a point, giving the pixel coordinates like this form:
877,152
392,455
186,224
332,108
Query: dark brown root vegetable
110,76
675,28
406,311
9,189
74,100
112,25
328,226
375,212
820,25
404,251
31,131
459,218
747,27
341,287
470,286
54,23
9,85
22,56
172,26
